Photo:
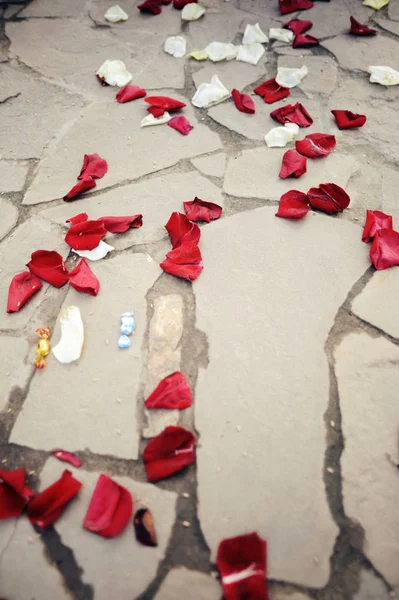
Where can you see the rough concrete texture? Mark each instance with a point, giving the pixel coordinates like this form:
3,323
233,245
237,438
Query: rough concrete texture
281,311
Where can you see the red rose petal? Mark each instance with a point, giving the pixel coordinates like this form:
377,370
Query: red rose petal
328,197
80,218
82,279
289,6
164,102
298,26
316,145
200,210
242,564
271,91
384,251
303,41
292,113
13,493
151,6
189,272
84,184
375,220
348,120
168,453
93,166
359,29
121,224
49,504
293,205
293,165
22,287
86,235
179,4
48,265
156,112
181,230
172,392
68,457
129,93
243,102
187,253
181,124
110,508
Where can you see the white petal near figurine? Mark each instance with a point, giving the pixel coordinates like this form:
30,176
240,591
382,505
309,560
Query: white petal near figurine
279,137
290,77
115,14
175,45
114,72
69,348
198,55
97,253
192,12
217,51
384,75
254,34
250,53
151,120
282,35
210,93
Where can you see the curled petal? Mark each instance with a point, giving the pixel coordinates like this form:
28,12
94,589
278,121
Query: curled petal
110,508
359,29
250,53
69,348
290,77
283,35
175,45
168,453
150,120
181,124
129,93
172,392
375,220
154,7
93,166
144,528
48,265
384,75
293,205
384,251
98,253
316,145
200,210
86,235
292,113
87,183
304,41
346,119
164,102
68,457
187,253
271,91
279,137
49,504
298,26
82,279
155,111
210,93
253,34
328,197
114,72
115,14
293,165
22,287
121,224
243,102
289,6
192,12
13,493
189,272
180,230
80,218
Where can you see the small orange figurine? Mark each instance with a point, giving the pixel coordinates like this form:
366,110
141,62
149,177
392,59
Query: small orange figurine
43,347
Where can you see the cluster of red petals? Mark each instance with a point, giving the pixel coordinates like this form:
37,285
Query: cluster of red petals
180,230
14,495
293,165
172,392
242,563
47,506
129,93
22,287
49,266
82,279
185,259
121,224
316,145
243,102
298,26
359,29
384,251
85,235
348,120
329,198
110,508
293,205
179,4
292,113
69,457
289,6
168,453
154,7
200,210
375,220
271,91
94,167
181,124
304,41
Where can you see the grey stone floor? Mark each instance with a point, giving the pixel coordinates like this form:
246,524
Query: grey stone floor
289,338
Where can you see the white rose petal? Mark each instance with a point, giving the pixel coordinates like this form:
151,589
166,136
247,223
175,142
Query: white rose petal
254,34
69,348
279,137
377,4
198,54
114,72
192,12
175,45
250,53
283,35
210,93
291,77
97,253
218,51
384,75
151,120
115,14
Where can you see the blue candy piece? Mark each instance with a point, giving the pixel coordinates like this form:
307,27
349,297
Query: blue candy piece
128,324
124,342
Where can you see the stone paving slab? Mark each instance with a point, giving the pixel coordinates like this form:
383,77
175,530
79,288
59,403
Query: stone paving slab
358,53
12,176
9,217
214,164
197,586
14,367
371,588
48,8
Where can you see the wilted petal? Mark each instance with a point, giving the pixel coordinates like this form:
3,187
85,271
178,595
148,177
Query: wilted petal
192,12
243,102
283,35
47,506
82,279
250,53
175,45
69,348
279,137
172,392
93,166
290,77
375,220
100,252
85,235
200,210
271,91
376,4
168,453
144,528
80,218
304,41
289,6
114,72
384,75
384,251
359,29
121,224
316,145
68,457
165,103
292,113
181,124
346,119
298,26
180,230
153,7
87,183
254,34
293,165
189,272
210,93
48,265
110,508
187,253
13,493
22,287
198,55
293,205
115,14
129,93
328,197
217,51
156,112
150,120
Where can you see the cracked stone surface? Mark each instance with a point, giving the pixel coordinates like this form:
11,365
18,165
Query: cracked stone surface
13,372
214,165
12,176
367,375
357,54
9,217
371,588
206,588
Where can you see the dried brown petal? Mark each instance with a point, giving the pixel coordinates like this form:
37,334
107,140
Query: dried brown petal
144,527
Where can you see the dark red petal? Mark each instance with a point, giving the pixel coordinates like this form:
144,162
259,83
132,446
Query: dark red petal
359,29
347,120
181,124
271,91
84,184
86,235
129,93
22,287
187,253
48,265
151,6
292,113
13,496
298,26
328,197
179,4
384,251
303,41
181,230
375,220
93,166
172,392
110,508
82,279
242,563
293,205
189,272
164,102
289,6
293,165
68,457
80,218
200,210
144,528
49,504
121,224
316,145
243,102
169,452
156,112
